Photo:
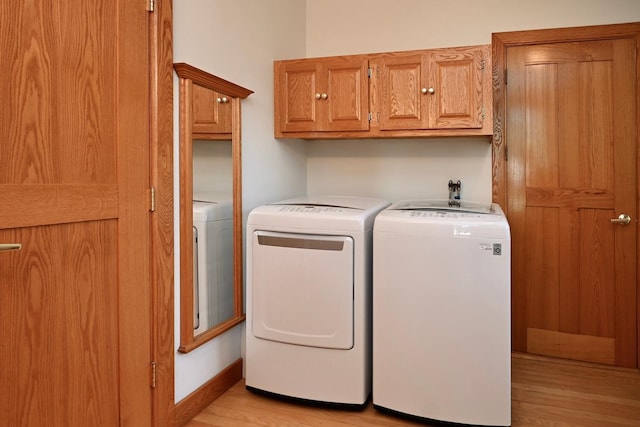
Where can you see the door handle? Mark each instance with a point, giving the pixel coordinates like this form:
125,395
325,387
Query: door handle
623,219
6,247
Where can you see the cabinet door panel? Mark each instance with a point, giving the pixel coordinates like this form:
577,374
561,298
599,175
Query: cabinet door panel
298,86
456,77
346,105
401,101
211,115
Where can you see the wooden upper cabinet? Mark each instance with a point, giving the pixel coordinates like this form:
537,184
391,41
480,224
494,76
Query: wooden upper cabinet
439,89
438,92
211,114
329,94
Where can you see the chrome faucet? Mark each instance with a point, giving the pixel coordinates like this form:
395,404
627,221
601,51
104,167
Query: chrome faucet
454,193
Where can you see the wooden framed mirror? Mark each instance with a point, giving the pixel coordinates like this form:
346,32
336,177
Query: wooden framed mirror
210,302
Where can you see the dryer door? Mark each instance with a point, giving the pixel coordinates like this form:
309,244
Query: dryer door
303,289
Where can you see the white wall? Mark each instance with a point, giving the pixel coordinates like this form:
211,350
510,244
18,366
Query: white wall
212,168
238,40
338,27
400,169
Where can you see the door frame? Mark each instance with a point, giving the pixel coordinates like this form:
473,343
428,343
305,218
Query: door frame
162,218
499,44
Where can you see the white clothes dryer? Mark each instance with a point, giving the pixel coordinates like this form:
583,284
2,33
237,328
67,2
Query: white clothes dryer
212,260
308,299
441,312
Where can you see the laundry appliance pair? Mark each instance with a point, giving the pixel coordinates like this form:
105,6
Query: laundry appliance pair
413,310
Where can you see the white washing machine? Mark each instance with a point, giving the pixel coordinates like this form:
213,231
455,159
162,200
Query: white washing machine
212,260
441,312
308,298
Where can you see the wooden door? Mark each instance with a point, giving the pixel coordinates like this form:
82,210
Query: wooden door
211,114
571,132
454,88
403,102
74,176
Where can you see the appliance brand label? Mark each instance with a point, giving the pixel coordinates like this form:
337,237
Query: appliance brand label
495,248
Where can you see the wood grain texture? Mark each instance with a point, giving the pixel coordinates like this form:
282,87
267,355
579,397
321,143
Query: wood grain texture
575,91
238,253
581,346
75,134
211,114
457,78
347,96
185,172
392,95
596,296
627,139
545,391
188,341
540,277
198,400
202,78
569,257
554,392
567,197
317,95
297,108
401,102
134,247
541,124
498,141
375,134
162,220
55,204
58,89
57,330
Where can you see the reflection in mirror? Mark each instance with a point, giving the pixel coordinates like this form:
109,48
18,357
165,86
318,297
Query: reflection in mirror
212,234
210,206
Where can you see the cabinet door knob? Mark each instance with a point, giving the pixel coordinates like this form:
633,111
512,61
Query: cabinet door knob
324,96
317,96
430,90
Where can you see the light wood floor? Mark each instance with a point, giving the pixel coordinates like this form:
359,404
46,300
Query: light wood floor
545,392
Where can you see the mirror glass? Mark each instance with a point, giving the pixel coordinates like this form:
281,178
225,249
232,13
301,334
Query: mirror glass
212,233
210,206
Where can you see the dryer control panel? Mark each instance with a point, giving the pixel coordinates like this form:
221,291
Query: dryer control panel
312,209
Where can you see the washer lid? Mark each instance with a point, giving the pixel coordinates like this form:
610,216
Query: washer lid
444,205
212,211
